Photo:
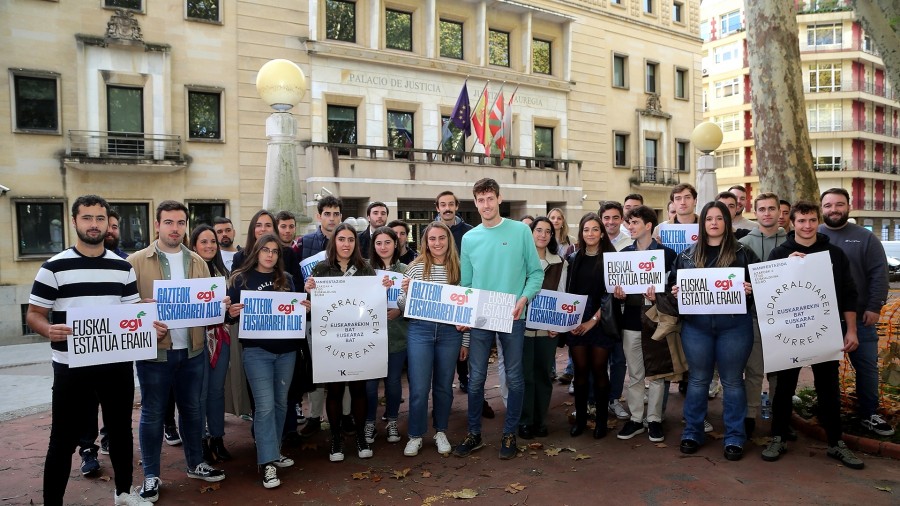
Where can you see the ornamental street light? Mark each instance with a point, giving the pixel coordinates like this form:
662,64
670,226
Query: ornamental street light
706,137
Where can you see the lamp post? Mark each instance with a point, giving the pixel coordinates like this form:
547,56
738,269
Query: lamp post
706,137
281,84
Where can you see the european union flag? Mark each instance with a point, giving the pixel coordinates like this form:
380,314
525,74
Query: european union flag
462,113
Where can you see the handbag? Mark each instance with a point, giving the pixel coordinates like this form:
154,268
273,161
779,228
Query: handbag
609,319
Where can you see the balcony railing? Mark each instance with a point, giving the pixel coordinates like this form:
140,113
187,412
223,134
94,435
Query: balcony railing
867,87
855,126
864,166
439,156
645,174
124,145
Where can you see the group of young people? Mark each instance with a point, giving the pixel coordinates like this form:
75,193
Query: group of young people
208,373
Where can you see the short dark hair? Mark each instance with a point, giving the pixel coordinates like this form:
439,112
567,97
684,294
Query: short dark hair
221,220
396,223
634,196
782,202
644,214
805,207
329,201
88,201
284,216
377,204
111,213
680,188
837,191
486,185
553,245
444,194
527,217
611,204
727,195
738,187
170,205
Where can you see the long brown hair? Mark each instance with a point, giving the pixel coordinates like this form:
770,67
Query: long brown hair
728,249
451,263
375,260
251,261
605,244
356,258
251,229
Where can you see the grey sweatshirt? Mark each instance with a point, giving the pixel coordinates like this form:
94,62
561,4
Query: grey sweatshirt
868,264
762,244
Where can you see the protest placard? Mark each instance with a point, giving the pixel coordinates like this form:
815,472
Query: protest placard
796,306
107,334
635,271
185,303
711,291
306,266
349,329
555,311
458,305
394,291
272,315
678,237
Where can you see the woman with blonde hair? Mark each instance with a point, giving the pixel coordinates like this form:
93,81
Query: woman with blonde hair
564,243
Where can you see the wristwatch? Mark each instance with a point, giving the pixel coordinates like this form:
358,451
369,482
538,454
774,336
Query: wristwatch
595,318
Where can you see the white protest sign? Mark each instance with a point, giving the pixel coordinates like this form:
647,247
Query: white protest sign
306,266
555,311
796,306
107,334
458,305
272,315
635,271
711,291
185,303
394,291
349,329
678,237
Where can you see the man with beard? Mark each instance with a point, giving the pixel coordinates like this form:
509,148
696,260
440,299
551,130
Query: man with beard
111,242
739,222
81,276
377,214
225,234
868,267
180,360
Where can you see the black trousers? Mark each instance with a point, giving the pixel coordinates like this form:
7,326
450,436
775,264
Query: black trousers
826,377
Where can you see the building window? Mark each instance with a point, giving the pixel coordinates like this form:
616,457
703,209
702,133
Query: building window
681,156
705,33
730,23
728,122
398,30
681,83
824,117
541,59
498,48
36,99
620,71
678,12
726,53
621,146
728,158
824,77
823,35
827,163
207,10
203,213
134,226
340,20
135,5
204,115
451,39
648,6
652,74
401,135
651,157
125,120
728,88
41,227
452,137
342,126
543,142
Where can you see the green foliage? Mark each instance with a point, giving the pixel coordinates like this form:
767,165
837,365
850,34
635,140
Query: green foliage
340,20
203,9
451,39
203,115
398,30
498,48
540,56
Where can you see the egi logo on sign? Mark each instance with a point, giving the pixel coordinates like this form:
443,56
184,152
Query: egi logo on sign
208,295
647,266
288,308
460,298
569,308
134,324
725,284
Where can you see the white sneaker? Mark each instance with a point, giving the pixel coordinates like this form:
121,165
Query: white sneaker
270,477
616,408
572,388
707,427
714,389
283,461
130,499
393,432
413,447
878,425
443,446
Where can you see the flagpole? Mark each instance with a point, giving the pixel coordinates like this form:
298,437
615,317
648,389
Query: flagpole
480,97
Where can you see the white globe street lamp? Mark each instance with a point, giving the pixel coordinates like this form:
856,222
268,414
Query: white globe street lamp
706,137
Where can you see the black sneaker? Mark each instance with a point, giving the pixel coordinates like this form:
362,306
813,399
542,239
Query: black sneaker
205,472
171,436
89,463
508,448
150,489
363,450
656,432
313,425
630,430
348,425
878,425
471,443
104,446
270,476
336,454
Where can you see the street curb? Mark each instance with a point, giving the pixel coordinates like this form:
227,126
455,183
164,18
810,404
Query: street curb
863,444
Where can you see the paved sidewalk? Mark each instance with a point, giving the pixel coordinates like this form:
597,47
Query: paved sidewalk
608,471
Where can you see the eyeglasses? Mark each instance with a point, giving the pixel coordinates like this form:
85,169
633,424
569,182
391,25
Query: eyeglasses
266,251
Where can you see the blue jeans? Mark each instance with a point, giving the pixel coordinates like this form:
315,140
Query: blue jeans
432,350
214,400
269,375
865,363
157,379
393,388
616,371
479,350
710,341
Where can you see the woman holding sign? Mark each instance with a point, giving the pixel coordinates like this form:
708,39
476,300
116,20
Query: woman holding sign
589,346
713,341
433,348
384,254
268,363
539,353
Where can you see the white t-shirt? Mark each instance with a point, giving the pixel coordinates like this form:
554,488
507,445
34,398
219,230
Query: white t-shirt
176,269
228,258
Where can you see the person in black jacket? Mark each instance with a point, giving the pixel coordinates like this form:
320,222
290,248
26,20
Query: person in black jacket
804,240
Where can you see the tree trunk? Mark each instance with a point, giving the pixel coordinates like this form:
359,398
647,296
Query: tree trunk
783,152
881,21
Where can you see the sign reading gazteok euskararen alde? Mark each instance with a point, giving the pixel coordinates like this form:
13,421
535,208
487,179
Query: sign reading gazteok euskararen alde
458,305
272,315
635,271
678,236
107,334
394,291
185,303
555,311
